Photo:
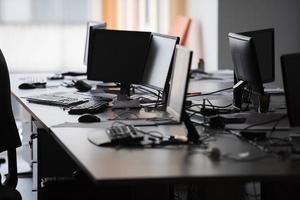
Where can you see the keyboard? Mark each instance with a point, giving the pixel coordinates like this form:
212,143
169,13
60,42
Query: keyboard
56,99
124,134
92,106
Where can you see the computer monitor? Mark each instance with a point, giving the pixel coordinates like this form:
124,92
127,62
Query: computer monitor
178,90
264,46
246,67
290,65
159,61
90,25
118,56
179,82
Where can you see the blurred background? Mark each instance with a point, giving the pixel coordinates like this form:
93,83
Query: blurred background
49,35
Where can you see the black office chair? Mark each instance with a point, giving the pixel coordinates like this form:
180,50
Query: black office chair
9,136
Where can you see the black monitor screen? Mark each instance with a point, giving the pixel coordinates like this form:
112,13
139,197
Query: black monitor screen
159,60
245,61
117,56
290,73
264,45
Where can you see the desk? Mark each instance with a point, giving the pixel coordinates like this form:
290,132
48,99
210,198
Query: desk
172,165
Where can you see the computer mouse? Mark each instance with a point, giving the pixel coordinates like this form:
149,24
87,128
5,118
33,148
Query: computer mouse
32,85
26,86
88,118
82,86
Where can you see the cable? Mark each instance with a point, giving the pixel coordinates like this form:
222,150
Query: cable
158,95
195,94
123,113
213,107
275,125
150,133
194,112
155,138
157,101
249,99
147,90
216,106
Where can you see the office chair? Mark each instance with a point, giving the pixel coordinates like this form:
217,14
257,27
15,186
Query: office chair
9,136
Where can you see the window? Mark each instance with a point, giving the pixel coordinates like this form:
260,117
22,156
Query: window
44,11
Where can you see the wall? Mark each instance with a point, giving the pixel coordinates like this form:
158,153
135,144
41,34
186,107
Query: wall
205,14
244,15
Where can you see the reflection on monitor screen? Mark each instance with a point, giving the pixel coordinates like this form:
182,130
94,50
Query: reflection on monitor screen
159,61
179,82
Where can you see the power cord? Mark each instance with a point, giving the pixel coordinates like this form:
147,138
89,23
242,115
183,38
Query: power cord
195,94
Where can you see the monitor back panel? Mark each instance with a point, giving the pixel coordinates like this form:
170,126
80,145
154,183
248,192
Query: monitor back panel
91,25
245,61
159,61
264,45
179,82
290,73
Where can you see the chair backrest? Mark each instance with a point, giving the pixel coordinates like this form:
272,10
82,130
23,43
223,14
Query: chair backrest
9,136
180,27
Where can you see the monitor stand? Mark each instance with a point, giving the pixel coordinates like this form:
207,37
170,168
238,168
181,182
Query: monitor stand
124,92
192,135
123,99
238,92
261,102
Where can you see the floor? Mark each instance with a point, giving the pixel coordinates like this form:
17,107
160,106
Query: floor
25,188
24,180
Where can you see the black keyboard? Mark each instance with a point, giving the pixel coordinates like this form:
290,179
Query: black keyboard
124,134
56,99
91,107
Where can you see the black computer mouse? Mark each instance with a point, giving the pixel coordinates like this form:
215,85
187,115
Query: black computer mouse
26,86
88,118
32,85
82,86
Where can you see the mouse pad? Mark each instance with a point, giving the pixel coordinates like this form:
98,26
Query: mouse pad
99,138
